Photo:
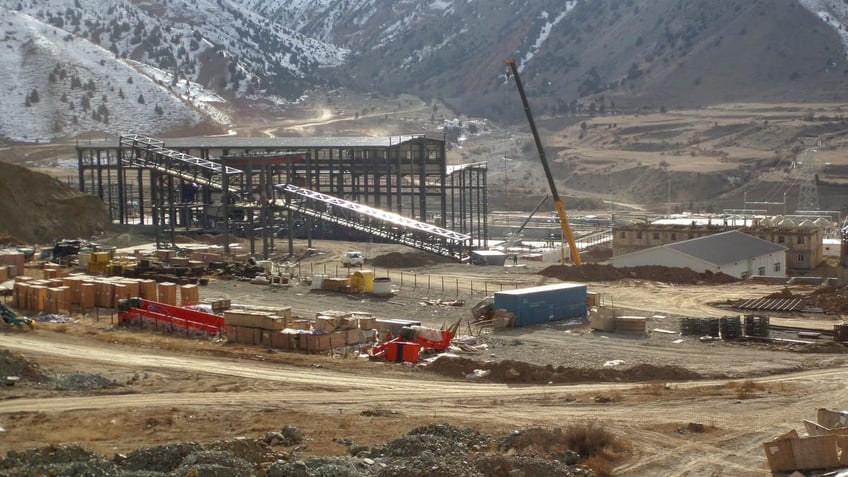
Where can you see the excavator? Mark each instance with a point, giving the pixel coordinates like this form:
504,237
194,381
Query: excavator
12,318
559,203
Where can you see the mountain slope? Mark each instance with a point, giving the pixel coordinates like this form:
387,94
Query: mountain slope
577,58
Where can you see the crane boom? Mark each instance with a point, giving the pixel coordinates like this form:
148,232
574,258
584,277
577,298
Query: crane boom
516,235
558,202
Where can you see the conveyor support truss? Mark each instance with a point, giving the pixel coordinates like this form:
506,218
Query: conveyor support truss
379,223
151,153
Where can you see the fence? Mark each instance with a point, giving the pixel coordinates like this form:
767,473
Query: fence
446,286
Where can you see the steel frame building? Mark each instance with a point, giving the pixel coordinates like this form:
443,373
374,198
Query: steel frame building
227,184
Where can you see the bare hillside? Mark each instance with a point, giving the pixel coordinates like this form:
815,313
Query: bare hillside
37,208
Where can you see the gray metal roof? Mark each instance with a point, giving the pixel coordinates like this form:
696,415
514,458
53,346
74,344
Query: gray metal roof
725,247
287,142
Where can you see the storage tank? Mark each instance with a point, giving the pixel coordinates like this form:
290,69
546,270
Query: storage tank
318,281
382,286
535,305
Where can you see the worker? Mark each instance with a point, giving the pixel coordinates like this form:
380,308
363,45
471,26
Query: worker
515,260
389,336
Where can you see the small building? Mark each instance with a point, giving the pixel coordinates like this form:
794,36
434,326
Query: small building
536,305
803,244
733,253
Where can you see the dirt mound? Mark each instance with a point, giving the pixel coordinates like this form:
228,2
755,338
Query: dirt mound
37,208
606,273
13,364
408,260
509,371
830,299
833,300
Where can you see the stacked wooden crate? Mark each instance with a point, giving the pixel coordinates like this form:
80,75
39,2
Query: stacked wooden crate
189,295
14,262
168,293
255,327
61,295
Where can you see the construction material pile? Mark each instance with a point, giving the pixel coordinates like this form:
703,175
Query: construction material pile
438,450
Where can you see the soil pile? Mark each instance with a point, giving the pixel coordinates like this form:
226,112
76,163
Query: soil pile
408,260
434,450
37,208
509,371
832,300
606,273
13,364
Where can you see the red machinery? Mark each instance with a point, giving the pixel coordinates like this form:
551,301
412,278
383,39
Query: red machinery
173,316
405,348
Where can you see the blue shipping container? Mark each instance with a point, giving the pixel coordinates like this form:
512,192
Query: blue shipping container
531,306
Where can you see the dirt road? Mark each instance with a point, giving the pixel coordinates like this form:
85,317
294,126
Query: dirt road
230,388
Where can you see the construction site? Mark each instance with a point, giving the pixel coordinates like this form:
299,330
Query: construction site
354,306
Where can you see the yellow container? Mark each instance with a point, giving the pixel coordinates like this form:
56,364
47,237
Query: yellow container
363,280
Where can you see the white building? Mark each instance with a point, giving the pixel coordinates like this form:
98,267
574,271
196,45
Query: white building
734,253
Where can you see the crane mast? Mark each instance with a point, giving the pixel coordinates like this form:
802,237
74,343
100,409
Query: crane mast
558,201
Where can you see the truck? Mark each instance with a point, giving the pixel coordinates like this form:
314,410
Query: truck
353,258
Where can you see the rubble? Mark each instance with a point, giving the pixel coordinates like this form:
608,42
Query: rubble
433,450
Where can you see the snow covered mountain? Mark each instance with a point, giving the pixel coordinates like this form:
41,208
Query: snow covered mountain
162,65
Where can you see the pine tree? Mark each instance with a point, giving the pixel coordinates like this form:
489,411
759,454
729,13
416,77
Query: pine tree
140,98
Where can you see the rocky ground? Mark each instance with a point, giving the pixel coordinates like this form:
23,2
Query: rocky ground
434,450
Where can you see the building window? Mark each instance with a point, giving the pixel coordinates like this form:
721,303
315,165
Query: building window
638,235
674,236
761,271
781,239
777,267
656,235
744,276
800,240
623,234
800,257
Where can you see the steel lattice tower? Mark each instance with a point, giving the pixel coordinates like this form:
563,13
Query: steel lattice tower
808,194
